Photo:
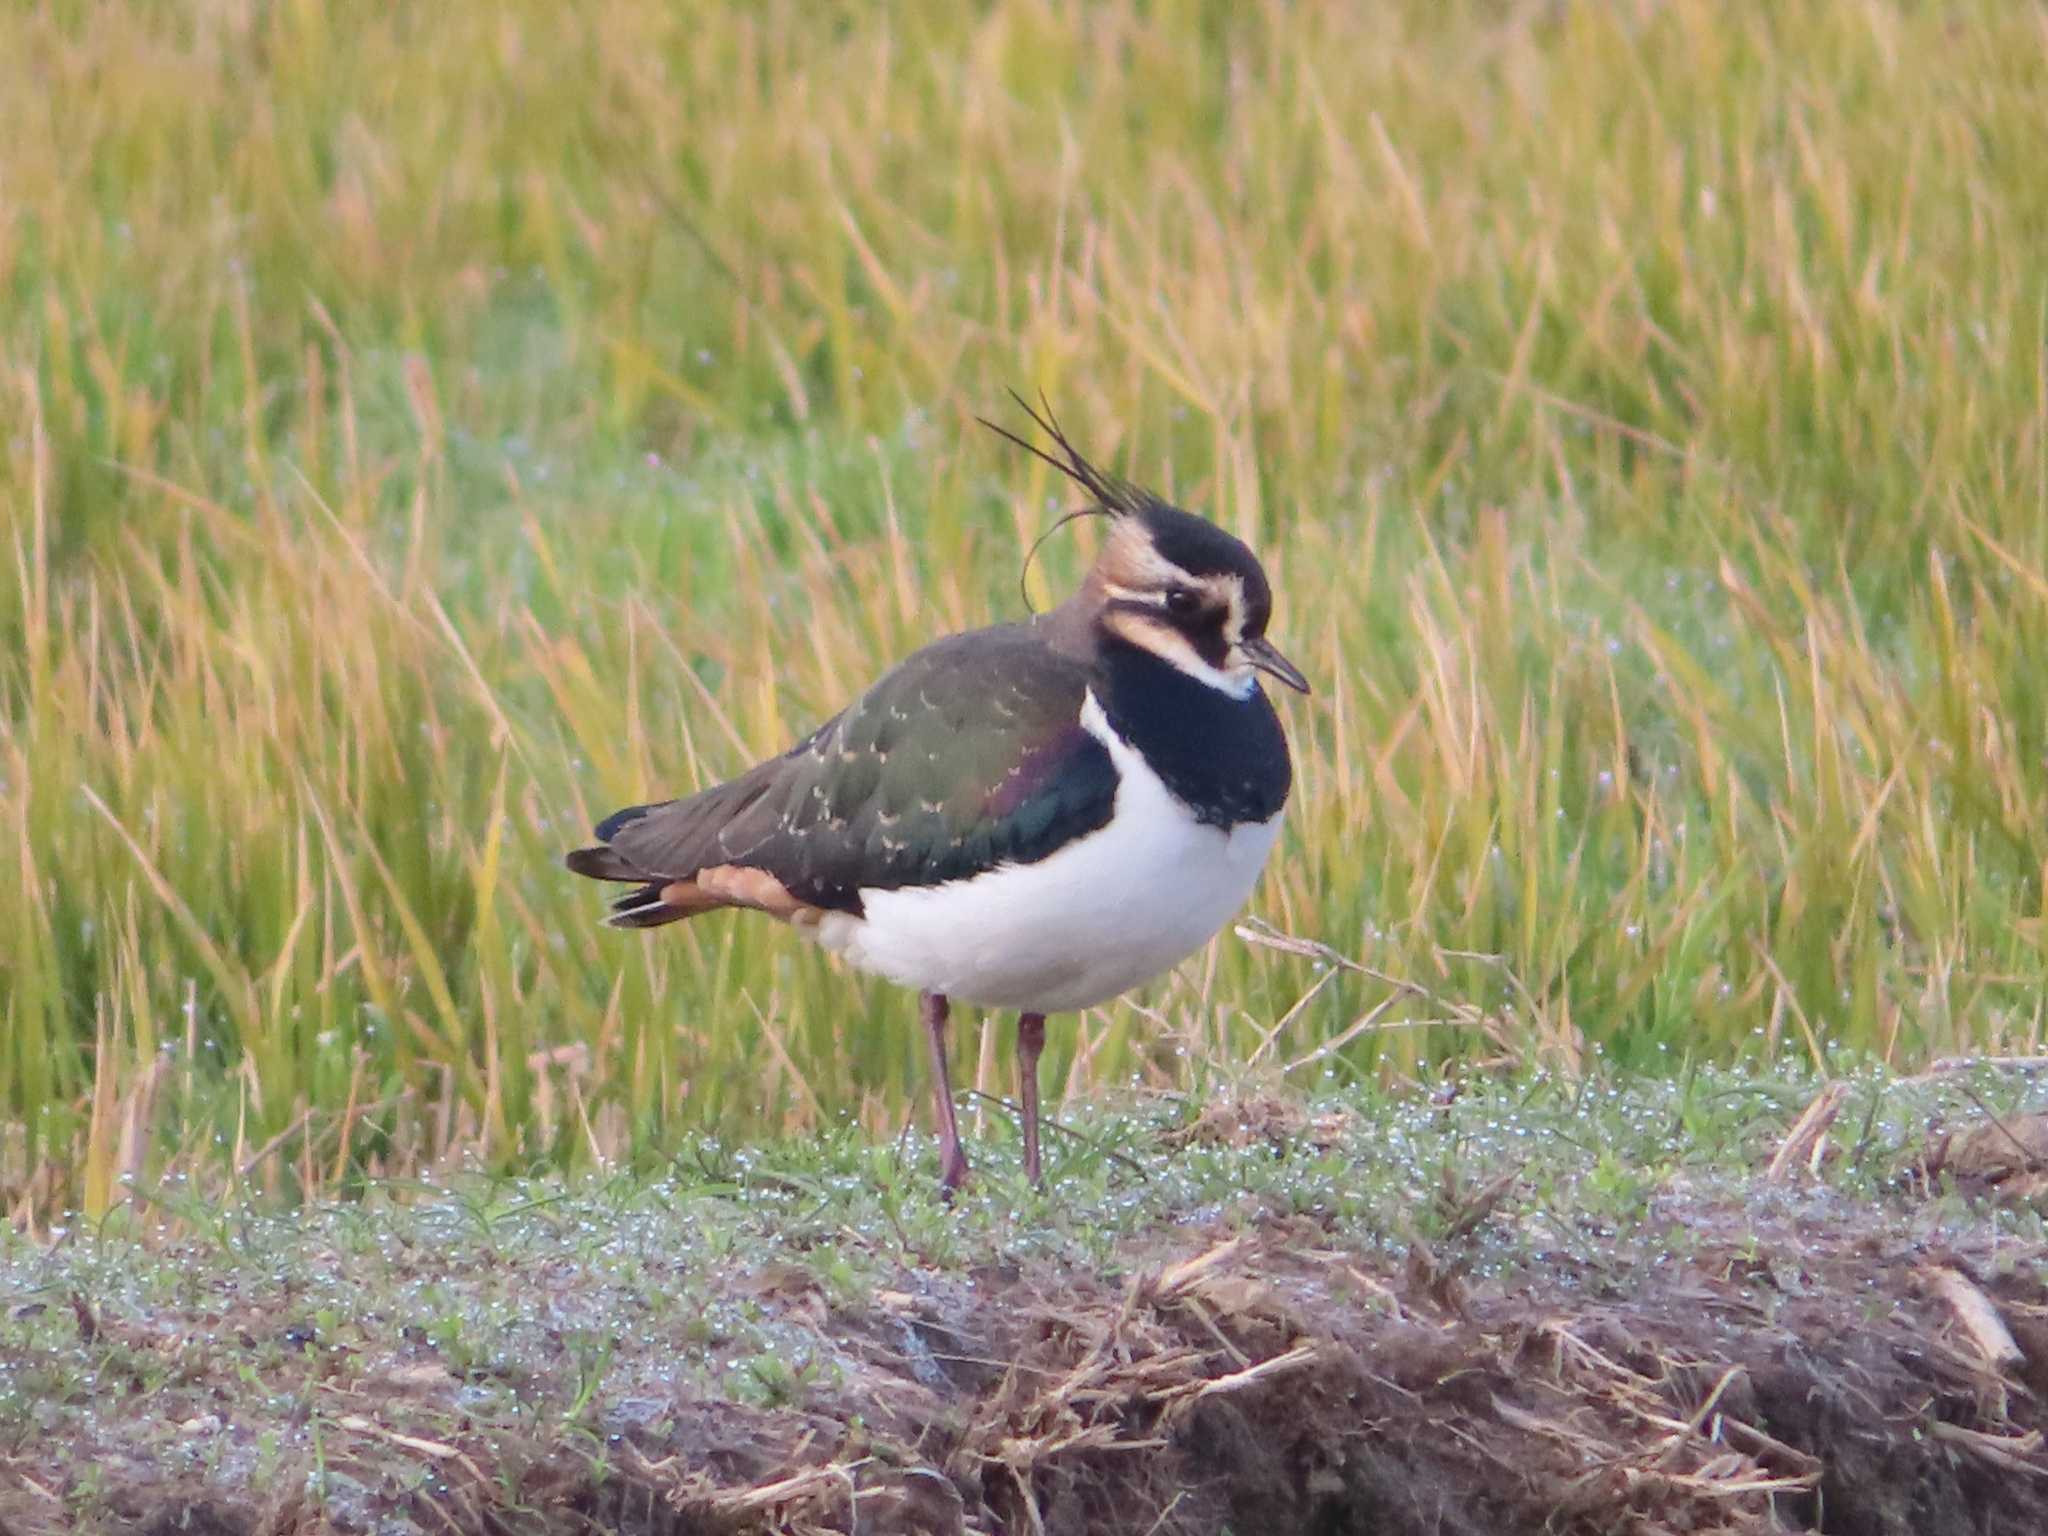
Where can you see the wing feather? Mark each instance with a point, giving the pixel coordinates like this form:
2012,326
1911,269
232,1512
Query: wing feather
969,755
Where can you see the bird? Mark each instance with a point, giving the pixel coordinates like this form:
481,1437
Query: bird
1034,817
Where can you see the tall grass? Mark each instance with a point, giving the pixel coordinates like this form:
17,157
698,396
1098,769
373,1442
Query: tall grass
427,427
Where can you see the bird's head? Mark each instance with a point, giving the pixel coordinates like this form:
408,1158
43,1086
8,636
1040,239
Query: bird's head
1169,582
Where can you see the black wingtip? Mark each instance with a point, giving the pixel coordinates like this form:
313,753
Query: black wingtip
600,863
609,828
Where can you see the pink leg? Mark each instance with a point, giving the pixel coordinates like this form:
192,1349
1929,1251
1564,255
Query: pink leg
952,1161
1030,1041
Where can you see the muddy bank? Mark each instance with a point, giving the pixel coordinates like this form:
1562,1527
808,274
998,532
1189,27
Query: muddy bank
1271,1384
1762,1355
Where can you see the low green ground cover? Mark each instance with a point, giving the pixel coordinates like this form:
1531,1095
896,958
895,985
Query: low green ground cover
507,1351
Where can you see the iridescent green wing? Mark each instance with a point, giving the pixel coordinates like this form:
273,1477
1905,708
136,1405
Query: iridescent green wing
969,755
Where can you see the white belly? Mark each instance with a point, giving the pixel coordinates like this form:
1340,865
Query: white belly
1082,925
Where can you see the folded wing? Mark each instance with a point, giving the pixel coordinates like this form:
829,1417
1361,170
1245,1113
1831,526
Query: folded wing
968,756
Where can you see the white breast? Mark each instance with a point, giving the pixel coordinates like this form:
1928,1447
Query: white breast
1078,927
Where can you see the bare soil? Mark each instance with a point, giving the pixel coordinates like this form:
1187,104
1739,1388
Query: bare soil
1774,1357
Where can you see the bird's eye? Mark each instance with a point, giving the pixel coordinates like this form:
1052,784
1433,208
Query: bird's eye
1182,601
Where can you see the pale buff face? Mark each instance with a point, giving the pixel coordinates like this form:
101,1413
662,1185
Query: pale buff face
1196,622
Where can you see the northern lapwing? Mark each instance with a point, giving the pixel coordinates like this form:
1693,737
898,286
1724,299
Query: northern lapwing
1036,816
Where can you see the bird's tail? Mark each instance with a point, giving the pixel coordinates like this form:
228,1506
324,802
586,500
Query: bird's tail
651,906
657,900
654,902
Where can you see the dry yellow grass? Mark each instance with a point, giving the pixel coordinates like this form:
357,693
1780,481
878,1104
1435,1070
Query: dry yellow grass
425,429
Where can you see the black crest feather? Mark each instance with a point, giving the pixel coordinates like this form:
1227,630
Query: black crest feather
1114,496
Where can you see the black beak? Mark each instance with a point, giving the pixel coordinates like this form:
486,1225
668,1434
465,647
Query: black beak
1261,654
